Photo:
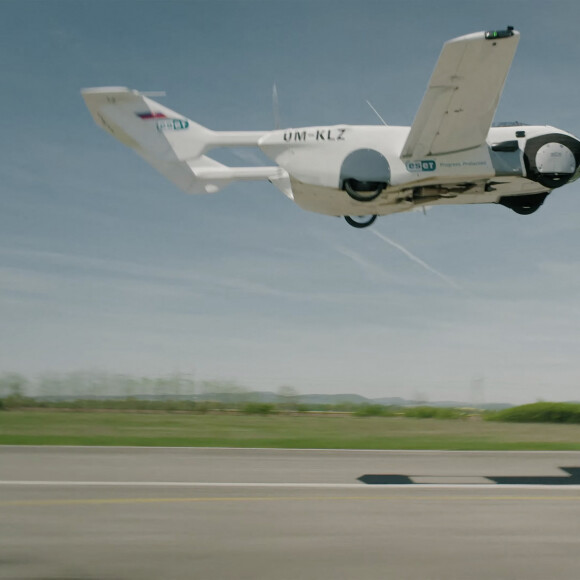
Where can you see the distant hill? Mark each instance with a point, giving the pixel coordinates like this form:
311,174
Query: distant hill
338,399
270,397
394,401
333,399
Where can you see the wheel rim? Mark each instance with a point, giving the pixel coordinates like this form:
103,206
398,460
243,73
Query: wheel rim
362,195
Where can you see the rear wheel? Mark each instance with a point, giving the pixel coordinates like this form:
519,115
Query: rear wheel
361,221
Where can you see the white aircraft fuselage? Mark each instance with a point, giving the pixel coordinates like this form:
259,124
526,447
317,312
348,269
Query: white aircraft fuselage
314,159
452,154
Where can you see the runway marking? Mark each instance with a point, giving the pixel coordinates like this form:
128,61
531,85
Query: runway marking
158,500
26,483
290,449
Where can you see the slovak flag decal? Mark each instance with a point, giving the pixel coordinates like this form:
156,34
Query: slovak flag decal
151,115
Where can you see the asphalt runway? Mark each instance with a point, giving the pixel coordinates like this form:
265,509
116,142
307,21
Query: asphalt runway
141,513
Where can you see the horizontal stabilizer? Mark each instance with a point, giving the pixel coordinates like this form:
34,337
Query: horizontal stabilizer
205,175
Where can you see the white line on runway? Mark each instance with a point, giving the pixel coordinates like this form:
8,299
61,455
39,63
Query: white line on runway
288,485
290,449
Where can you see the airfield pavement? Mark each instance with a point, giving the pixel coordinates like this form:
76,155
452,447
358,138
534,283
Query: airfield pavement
167,513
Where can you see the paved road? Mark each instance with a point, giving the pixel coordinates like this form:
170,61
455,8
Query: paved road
322,523
118,464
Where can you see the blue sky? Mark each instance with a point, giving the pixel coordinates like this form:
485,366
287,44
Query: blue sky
105,265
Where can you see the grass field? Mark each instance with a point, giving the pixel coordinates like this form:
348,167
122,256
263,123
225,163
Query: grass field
310,431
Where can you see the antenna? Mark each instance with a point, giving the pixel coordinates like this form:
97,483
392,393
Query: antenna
376,113
275,107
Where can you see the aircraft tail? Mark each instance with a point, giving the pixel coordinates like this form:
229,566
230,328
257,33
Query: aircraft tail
172,143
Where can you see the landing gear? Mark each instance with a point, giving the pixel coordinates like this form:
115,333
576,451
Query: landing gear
361,221
524,204
363,190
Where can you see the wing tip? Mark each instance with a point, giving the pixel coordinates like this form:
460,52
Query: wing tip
100,90
509,32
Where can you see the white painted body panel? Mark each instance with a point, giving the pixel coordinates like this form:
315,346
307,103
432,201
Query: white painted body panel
317,162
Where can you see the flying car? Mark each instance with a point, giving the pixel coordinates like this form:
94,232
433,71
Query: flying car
452,154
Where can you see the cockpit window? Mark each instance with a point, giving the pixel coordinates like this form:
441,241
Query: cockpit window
510,124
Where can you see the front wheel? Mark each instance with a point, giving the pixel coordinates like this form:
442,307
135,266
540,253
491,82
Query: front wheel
361,221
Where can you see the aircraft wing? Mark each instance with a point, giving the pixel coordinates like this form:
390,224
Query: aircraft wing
462,96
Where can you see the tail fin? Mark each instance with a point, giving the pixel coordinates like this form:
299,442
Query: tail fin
172,143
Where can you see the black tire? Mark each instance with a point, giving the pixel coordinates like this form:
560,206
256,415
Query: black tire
553,180
524,204
526,210
363,191
360,224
